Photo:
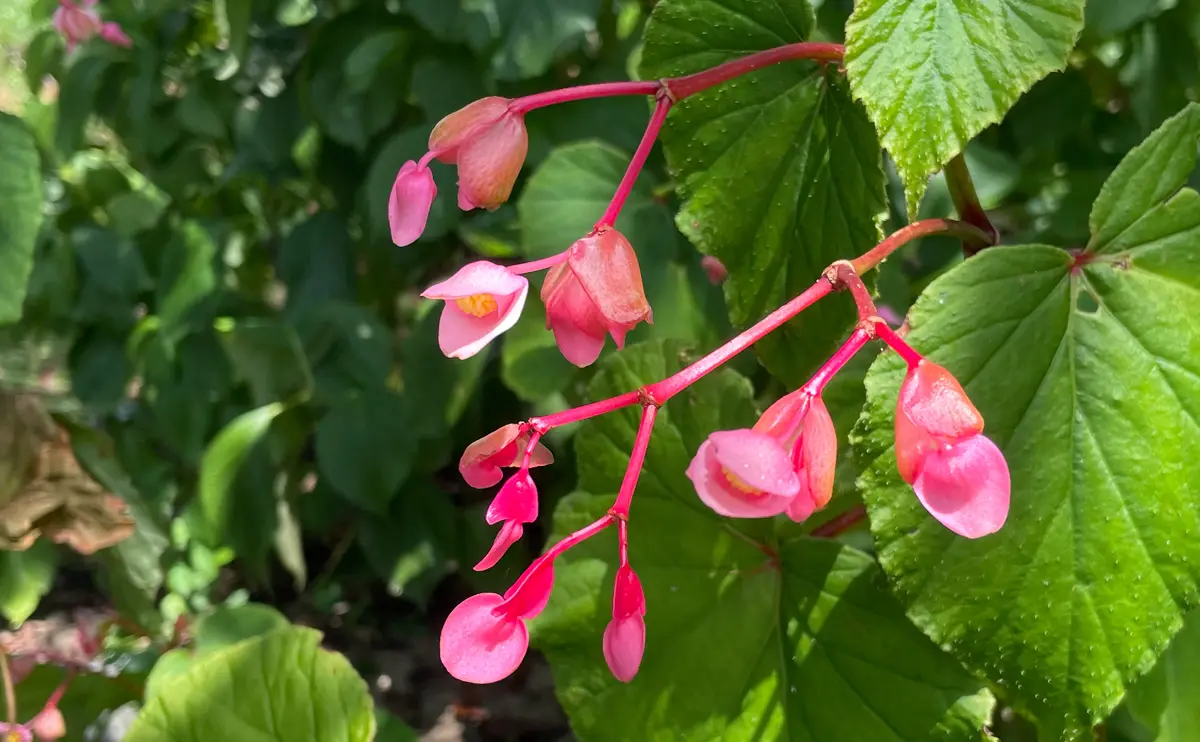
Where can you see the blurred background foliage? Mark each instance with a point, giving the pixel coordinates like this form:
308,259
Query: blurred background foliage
215,250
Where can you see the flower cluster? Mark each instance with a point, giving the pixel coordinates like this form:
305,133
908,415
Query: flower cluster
79,22
782,466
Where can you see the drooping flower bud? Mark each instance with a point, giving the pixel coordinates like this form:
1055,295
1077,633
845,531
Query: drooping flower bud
515,504
488,143
481,461
485,638
408,206
801,422
482,301
113,34
625,636
77,22
958,474
49,725
596,292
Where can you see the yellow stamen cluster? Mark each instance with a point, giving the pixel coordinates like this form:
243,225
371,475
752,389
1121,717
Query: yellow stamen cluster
477,305
738,484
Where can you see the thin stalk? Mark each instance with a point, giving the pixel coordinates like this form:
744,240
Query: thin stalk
582,92
661,108
896,343
637,457
574,415
966,202
839,524
845,275
682,87
924,228
837,361
10,695
537,265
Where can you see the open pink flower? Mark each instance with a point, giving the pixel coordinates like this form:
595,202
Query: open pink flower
482,301
488,143
515,504
596,292
625,636
481,461
77,22
958,474
744,474
113,34
485,638
802,425
408,206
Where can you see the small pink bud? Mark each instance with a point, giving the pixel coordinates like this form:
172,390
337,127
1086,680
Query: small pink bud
408,206
514,504
49,725
596,292
715,269
482,301
75,23
481,461
744,474
958,474
625,636
112,33
489,144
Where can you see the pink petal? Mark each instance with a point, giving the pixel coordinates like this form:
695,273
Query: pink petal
478,646
467,122
715,489
529,595
488,163
510,533
714,269
408,206
576,346
628,597
801,507
480,277
481,461
49,725
966,486
816,454
461,335
541,455
624,644
607,269
464,201
517,500
112,33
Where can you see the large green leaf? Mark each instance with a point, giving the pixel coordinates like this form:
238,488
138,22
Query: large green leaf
281,686
780,171
934,73
1085,368
1167,700
365,445
747,637
21,209
224,458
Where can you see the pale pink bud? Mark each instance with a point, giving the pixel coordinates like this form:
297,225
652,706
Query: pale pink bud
482,301
76,23
714,269
481,461
625,636
49,725
596,292
112,33
489,144
958,474
744,474
408,206
516,503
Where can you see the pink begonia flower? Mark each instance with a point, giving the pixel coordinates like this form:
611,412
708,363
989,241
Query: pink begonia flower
77,23
625,636
112,33
596,292
482,301
515,504
488,143
802,425
744,474
485,638
714,269
49,725
481,461
958,474
408,205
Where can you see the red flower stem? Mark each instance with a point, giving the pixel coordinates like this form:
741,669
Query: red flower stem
566,417
637,457
662,107
924,228
839,524
583,534
663,390
896,343
843,273
57,695
623,542
839,359
534,437
966,202
537,265
582,92
682,87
